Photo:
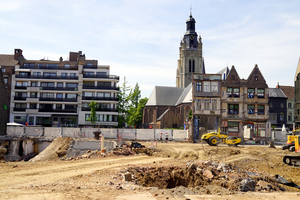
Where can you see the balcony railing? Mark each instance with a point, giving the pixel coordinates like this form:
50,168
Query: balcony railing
46,77
100,87
49,67
17,87
100,76
100,98
20,109
58,99
90,66
58,110
58,88
100,109
20,98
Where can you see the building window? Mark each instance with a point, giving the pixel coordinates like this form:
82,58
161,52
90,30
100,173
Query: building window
21,83
190,66
290,117
48,74
45,84
233,126
251,93
59,106
260,109
71,107
87,117
281,116
206,104
33,106
256,78
281,105
33,95
59,95
198,104
67,66
64,75
236,92
271,105
233,109
60,85
52,66
71,96
73,74
5,80
34,84
199,86
88,94
71,85
214,87
290,105
20,119
3,69
251,109
214,104
36,74
47,95
206,87
260,93
232,77
229,92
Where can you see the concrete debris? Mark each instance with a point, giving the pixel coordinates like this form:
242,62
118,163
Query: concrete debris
247,184
208,174
127,176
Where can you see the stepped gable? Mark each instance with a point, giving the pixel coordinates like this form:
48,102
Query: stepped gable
256,79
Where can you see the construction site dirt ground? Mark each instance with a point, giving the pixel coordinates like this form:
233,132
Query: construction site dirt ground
100,177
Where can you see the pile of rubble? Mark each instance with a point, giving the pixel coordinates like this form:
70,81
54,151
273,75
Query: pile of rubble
197,177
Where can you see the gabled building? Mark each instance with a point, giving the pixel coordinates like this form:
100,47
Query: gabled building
245,103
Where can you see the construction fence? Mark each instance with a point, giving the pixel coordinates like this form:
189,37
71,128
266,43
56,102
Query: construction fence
125,134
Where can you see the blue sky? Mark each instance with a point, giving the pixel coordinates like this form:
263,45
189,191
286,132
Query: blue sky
140,39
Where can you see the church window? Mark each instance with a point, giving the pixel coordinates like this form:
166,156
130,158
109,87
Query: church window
193,65
199,86
190,66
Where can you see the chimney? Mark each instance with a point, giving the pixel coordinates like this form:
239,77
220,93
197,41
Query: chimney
18,54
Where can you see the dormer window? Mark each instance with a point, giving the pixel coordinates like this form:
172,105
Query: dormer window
232,77
256,78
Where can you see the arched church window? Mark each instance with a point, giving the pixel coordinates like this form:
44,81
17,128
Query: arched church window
193,65
151,115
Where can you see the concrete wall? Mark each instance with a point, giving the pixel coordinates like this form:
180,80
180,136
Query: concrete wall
128,133
163,132
145,134
33,131
14,131
52,132
180,135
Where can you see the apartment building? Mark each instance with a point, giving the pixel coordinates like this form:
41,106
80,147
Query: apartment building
58,93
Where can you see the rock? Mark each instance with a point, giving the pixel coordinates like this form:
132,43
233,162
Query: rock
127,176
208,174
264,185
271,145
247,184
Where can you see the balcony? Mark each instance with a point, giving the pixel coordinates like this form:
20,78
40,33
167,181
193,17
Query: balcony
90,67
100,87
58,88
20,98
101,76
58,99
19,109
45,77
58,110
17,87
100,98
49,67
100,109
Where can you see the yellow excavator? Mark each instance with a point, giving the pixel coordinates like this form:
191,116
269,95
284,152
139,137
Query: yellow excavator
214,138
290,142
293,159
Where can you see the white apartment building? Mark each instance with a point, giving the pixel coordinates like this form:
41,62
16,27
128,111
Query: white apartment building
58,93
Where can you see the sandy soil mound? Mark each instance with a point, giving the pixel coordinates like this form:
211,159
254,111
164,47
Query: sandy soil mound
55,150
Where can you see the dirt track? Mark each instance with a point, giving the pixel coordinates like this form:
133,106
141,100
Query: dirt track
96,178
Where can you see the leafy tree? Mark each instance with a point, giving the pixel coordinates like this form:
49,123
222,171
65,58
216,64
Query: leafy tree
139,111
134,96
93,105
122,104
190,114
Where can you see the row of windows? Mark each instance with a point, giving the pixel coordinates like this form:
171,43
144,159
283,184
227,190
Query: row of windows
45,106
49,65
207,86
102,118
235,92
206,104
51,74
233,109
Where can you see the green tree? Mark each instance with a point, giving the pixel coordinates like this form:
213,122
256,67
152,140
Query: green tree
93,105
123,103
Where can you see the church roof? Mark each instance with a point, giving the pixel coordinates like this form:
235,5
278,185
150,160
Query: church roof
224,73
186,96
164,96
162,115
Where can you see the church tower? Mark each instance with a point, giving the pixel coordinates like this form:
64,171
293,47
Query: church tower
190,55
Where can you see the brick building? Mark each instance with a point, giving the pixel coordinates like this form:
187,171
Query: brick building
3,105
